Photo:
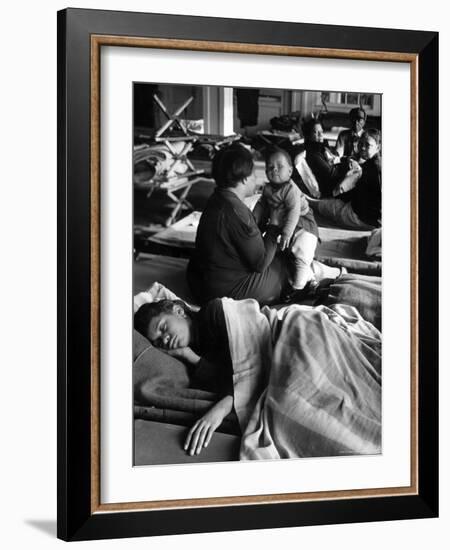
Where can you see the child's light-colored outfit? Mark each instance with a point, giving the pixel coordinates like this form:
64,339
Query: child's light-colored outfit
298,226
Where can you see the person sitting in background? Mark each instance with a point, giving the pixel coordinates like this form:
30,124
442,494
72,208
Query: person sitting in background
360,208
326,167
348,140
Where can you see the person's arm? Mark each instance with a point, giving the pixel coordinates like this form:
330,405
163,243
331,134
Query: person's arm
292,205
348,183
205,369
201,432
209,374
261,212
215,363
215,368
256,252
327,175
186,354
340,144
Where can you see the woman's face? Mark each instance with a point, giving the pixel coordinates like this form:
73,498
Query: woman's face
250,184
170,330
278,169
368,147
316,134
358,124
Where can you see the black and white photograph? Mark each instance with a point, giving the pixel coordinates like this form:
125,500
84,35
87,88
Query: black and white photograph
257,273
225,283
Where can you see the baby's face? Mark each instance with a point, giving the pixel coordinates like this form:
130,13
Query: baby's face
278,169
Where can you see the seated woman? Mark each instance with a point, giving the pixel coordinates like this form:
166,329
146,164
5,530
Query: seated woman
323,395
360,208
232,258
326,167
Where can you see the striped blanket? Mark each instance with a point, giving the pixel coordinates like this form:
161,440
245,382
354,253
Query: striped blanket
307,381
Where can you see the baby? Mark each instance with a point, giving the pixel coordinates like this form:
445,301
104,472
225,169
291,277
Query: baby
286,206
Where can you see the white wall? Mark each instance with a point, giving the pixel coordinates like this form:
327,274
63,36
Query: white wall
28,237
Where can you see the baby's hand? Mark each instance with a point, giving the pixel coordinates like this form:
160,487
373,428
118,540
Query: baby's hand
283,242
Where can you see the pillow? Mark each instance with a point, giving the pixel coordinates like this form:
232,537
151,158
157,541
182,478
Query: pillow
374,244
309,179
152,368
155,293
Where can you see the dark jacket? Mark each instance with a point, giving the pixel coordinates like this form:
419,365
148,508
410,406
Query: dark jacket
366,196
229,249
215,370
328,175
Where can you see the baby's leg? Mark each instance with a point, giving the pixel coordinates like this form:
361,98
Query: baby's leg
303,248
322,271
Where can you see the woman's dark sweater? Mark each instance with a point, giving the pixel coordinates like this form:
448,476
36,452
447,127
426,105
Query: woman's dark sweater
214,371
366,196
328,175
231,256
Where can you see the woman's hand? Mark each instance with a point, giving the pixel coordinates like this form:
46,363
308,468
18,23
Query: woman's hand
353,167
201,432
186,354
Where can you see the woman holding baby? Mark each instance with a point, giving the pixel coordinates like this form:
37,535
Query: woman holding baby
232,256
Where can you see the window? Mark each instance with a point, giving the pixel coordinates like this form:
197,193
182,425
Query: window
337,101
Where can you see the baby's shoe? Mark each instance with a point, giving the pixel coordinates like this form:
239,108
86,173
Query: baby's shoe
296,295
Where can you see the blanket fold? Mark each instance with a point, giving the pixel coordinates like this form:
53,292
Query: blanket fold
307,381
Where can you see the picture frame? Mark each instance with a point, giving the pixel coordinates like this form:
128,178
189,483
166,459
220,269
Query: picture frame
81,35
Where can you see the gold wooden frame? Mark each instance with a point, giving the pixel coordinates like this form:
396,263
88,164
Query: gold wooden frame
97,41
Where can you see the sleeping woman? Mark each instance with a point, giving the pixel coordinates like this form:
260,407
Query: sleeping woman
303,381
200,340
